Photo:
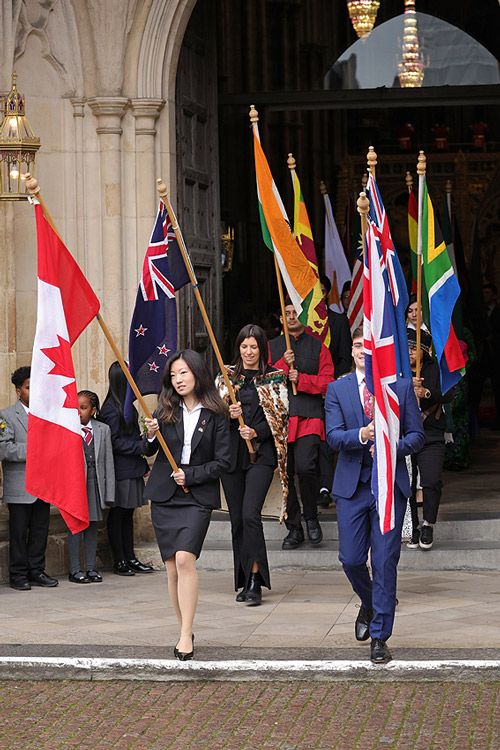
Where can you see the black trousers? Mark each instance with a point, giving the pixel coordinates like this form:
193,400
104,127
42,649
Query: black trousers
326,461
120,526
303,460
245,491
430,462
28,533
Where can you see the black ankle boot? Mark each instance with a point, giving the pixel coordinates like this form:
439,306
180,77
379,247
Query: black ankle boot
254,592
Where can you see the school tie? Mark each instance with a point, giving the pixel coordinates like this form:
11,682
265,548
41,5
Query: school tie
87,435
367,402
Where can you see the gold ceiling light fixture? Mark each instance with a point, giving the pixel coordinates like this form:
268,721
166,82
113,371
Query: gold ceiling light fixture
18,147
411,67
363,14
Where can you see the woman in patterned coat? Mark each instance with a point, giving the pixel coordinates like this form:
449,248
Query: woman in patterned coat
263,403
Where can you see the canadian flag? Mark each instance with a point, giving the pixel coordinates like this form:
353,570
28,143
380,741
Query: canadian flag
55,469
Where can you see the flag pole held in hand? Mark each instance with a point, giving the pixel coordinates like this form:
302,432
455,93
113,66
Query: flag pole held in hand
34,190
162,190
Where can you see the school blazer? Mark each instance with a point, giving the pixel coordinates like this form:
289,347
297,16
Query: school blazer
105,468
210,458
344,417
13,437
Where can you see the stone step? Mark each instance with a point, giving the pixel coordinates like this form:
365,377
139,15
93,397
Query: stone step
470,530
449,555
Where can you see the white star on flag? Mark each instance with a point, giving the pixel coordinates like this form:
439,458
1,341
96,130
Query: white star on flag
153,367
140,331
163,350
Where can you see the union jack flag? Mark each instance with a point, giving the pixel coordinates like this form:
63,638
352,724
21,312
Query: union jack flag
153,329
381,374
395,276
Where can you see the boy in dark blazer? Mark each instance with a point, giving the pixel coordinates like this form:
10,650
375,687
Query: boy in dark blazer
29,517
351,432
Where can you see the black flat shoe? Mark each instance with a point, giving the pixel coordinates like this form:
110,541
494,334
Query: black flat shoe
42,579
94,576
20,585
122,568
79,577
242,596
253,595
139,567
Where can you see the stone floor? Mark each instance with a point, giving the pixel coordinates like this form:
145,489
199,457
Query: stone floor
309,611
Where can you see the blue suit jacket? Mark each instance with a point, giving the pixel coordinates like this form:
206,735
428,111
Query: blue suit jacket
345,416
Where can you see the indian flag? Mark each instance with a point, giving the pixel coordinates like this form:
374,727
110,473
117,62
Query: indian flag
443,291
317,316
297,274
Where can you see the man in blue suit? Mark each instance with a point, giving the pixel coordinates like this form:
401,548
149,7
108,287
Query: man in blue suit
350,431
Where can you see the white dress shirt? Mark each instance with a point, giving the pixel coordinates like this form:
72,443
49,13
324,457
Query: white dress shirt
190,420
88,426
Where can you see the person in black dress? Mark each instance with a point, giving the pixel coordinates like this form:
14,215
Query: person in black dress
263,403
130,468
193,419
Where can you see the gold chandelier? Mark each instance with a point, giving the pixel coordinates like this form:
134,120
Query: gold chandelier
363,14
18,147
411,67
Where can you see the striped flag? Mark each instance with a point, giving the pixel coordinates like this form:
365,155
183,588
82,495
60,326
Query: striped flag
395,275
355,309
336,266
444,291
413,238
317,316
381,374
297,274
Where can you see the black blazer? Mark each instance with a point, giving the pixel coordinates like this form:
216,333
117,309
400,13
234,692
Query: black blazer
128,450
210,458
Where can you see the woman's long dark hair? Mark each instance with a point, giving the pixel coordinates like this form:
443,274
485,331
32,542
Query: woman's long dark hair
250,331
116,396
204,389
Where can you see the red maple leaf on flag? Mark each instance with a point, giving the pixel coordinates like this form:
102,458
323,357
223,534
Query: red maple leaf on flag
63,365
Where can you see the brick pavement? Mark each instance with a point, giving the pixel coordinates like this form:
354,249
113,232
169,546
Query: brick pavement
249,716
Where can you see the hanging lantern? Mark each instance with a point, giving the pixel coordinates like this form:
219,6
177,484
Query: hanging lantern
18,147
411,67
363,14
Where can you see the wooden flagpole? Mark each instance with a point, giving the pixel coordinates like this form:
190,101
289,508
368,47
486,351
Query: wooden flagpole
421,166
34,189
254,119
162,190
371,159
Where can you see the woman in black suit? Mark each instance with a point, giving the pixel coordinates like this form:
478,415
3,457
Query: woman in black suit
263,403
130,468
193,419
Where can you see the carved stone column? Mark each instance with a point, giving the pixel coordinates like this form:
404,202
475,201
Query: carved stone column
109,111
7,303
145,112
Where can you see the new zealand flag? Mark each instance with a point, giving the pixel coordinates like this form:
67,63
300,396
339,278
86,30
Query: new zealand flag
153,329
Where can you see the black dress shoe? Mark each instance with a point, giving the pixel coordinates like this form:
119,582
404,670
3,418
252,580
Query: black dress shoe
325,499
94,576
139,567
23,585
314,531
122,568
79,577
42,579
362,624
242,595
380,653
184,655
254,590
294,538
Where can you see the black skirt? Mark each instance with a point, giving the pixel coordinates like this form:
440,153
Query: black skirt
180,524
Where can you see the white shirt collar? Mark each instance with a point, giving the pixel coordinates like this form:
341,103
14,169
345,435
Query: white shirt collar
187,411
360,376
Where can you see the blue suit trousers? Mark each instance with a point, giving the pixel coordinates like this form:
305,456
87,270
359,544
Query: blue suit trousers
359,532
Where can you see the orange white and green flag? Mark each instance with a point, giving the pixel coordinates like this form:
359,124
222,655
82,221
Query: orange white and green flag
298,276
317,315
